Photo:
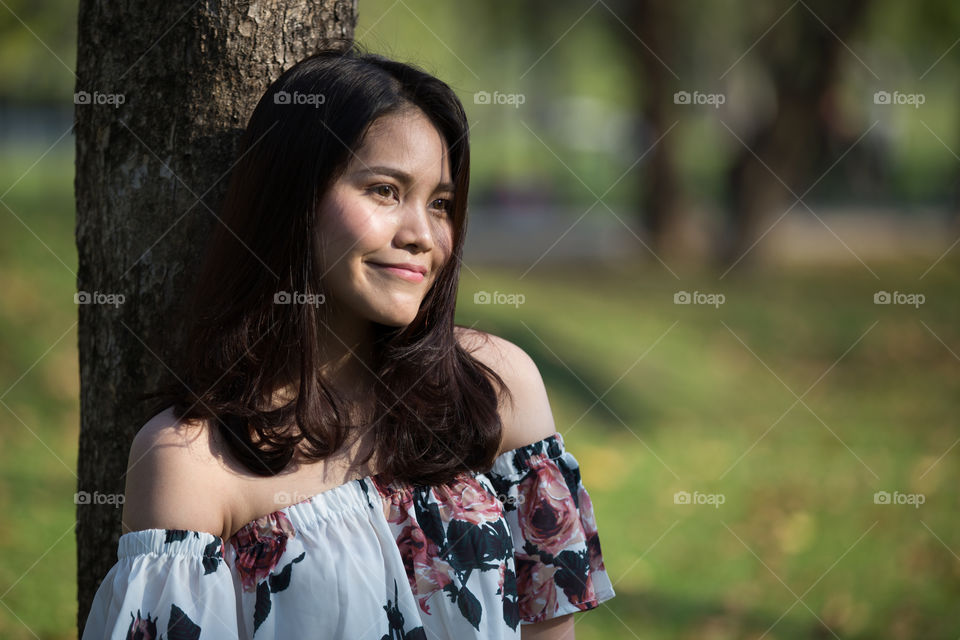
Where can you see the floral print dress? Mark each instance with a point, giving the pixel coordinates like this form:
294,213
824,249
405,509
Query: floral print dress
374,559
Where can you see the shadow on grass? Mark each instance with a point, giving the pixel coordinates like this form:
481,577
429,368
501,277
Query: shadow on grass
580,382
703,618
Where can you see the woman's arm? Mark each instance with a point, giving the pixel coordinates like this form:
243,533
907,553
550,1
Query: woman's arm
560,628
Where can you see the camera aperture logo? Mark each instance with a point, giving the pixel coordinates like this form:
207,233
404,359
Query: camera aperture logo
698,297
312,99
98,297
712,99
913,499
297,297
85,497
485,97
896,97
712,499
97,98
499,297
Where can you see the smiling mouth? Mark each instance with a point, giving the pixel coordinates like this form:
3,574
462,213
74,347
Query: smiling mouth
406,274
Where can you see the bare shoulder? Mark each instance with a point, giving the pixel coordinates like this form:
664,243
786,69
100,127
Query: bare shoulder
174,478
528,418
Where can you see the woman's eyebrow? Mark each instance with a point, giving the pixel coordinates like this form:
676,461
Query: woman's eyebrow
400,175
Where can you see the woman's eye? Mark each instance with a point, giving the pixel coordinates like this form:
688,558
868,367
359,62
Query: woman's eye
444,204
384,190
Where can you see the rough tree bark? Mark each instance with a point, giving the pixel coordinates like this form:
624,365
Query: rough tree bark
164,90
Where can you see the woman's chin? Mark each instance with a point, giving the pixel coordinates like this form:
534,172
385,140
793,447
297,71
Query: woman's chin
396,320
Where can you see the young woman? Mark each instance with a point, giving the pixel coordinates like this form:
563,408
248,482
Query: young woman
338,459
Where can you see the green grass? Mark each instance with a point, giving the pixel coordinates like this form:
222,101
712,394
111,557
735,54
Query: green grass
691,415
40,421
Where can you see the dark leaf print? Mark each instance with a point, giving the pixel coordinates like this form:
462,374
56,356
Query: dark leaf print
451,590
477,547
502,488
212,554
572,478
509,584
549,446
280,581
394,615
428,516
181,627
553,447
395,621
470,607
209,564
533,550
366,491
511,613
174,535
142,629
262,608
573,569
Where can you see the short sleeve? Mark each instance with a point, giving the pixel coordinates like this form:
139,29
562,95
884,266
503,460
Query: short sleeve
559,566
166,583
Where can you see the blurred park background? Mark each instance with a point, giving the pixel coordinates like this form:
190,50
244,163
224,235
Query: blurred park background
726,231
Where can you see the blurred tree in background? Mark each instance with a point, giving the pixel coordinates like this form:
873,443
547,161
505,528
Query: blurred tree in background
803,63
600,79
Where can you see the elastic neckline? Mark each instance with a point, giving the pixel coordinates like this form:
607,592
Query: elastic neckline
351,496
185,542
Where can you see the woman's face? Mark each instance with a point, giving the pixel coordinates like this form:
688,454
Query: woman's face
391,205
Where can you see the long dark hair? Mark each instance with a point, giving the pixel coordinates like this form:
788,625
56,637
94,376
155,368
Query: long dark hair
436,406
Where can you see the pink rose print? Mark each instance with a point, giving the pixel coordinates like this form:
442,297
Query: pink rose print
426,572
397,501
142,629
547,514
259,546
590,530
538,592
467,500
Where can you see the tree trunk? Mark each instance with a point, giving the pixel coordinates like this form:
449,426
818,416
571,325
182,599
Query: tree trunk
164,91
650,31
657,27
802,57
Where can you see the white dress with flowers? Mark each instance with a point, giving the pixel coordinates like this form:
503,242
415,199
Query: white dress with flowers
374,559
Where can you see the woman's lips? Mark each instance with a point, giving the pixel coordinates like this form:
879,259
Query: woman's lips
406,274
